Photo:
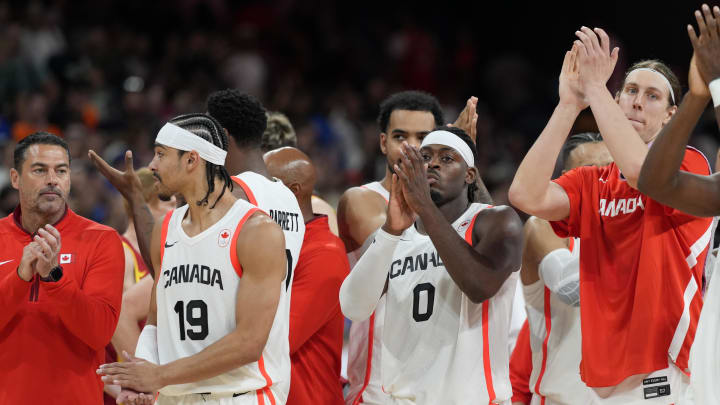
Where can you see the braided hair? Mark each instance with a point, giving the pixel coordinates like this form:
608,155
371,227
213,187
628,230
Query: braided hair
472,187
209,129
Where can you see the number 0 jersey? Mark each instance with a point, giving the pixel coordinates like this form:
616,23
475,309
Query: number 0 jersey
196,300
438,346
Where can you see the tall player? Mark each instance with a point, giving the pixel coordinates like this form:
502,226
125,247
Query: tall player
244,120
663,178
446,278
407,116
550,276
642,262
218,340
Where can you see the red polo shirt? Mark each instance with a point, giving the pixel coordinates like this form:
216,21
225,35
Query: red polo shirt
53,335
316,322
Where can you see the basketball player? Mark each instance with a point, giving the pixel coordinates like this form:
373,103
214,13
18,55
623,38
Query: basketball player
406,116
550,276
663,177
243,118
447,279
642,262
217,340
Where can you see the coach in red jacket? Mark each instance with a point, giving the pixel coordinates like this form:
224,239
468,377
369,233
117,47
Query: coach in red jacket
61,279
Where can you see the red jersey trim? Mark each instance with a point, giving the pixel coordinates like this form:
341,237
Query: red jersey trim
233,242
548,326
268,382
246,189
163,234
368,367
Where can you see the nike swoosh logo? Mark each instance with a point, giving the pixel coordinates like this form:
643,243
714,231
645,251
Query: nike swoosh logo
168,246
6,261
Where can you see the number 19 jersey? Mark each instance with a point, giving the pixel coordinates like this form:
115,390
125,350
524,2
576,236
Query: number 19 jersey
438,346
196,301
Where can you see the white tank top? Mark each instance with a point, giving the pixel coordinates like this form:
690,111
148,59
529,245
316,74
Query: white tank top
438,346
196,301
364,342
555,343
276,200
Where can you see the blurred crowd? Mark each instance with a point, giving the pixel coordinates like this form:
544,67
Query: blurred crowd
106,75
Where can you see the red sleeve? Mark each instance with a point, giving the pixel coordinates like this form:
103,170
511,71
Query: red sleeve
696,163
315,291
521,367
14,291
97,302
572,182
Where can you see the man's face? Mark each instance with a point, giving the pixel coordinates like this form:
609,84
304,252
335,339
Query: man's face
43,183
644,100
447,173
167,168
589,154
405,126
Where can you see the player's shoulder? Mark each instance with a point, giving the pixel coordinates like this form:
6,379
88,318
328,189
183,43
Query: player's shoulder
360,197
499,218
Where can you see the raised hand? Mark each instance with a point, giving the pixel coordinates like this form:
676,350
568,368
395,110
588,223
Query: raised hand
412,173
127,182
569,89
707,45
467,120
399,215
696,83
47,248
595,60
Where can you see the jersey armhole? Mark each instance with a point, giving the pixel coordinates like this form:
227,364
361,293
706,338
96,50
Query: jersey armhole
163,234
233,243
471,227
246,189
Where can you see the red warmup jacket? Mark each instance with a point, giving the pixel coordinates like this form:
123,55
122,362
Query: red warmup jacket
316,322
53,335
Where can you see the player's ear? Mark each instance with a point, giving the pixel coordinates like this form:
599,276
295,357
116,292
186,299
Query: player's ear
383,143
192,159
295,188
15,178
670,112
471,175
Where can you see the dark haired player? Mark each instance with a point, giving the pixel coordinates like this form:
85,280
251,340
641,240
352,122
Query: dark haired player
446,279
406,116
218,340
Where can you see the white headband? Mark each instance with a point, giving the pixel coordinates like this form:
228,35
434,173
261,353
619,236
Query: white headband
451,140
175,137
662,76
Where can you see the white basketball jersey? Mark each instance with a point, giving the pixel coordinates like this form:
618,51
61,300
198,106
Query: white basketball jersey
555,342
196,301
438,346
276,200
364,342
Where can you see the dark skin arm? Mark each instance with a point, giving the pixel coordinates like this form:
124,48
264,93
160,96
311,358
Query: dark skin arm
661,177
478,270
128,184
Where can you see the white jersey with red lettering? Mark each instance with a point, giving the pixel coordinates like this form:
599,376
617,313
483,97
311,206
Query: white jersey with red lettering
364,343
196,303
276,200
438,346
555,344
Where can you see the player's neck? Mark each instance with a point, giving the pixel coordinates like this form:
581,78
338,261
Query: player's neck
305,203
203,216
246,160
451,211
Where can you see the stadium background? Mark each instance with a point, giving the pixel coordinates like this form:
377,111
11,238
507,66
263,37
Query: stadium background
106,74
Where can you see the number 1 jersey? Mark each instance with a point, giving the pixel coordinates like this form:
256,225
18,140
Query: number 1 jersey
438,346
196,300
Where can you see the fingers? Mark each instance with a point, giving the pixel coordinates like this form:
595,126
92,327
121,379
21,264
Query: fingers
592,37
581,49
129,162
604,40
46,252
710,21
100,163
693,36
701,23
49,239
